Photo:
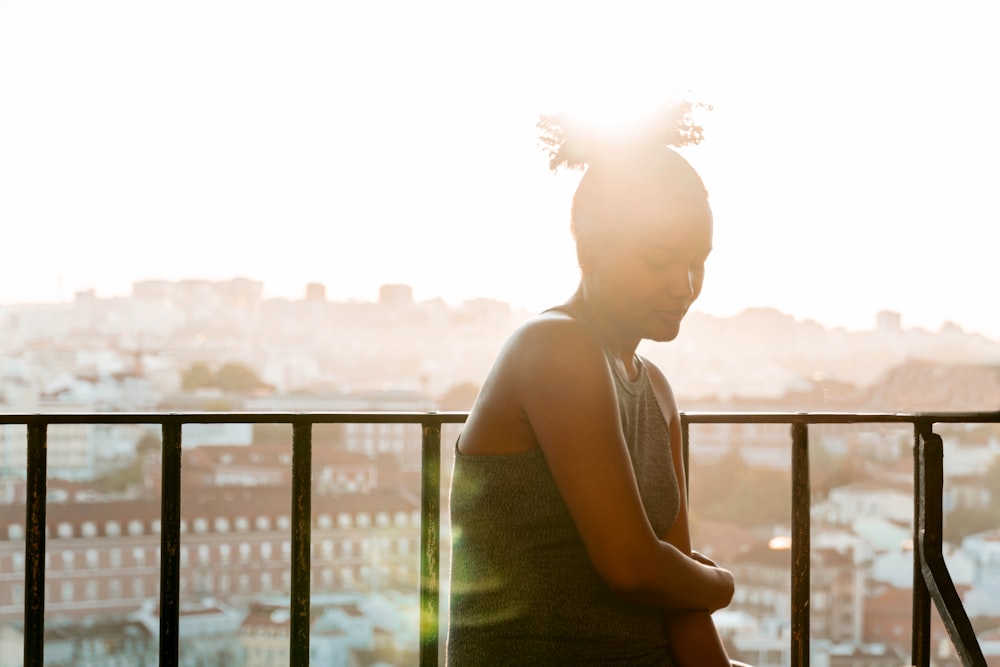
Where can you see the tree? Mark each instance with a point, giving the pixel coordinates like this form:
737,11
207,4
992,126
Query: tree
730,490
238,378
198,376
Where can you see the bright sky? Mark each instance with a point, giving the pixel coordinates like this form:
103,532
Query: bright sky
852,157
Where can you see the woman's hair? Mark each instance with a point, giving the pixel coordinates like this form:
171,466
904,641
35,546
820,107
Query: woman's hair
620,168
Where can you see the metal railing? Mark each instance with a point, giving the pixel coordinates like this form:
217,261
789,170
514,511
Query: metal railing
931,580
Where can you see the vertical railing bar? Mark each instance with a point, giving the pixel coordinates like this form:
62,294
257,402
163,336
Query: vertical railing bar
800,544
685,452
935,570
430,532
301,542
34,546
920,645
170,540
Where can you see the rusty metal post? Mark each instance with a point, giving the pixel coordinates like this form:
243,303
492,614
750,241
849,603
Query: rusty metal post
34,547
301,541
800,545
685,452
430,534
935,571
920,643
170,541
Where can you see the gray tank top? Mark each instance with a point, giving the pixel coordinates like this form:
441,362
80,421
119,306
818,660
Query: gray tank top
523,589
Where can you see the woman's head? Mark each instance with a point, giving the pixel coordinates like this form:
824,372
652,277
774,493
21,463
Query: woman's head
643,230
622,187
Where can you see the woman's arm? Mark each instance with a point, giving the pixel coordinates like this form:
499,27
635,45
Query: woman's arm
692,635
567,394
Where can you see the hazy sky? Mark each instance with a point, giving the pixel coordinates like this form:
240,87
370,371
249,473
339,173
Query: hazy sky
853,154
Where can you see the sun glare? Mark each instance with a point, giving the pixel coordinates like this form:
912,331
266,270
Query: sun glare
621,109
780,543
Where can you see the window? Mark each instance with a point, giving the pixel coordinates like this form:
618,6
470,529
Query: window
138,587
324,521
286,550
116,558
222,525
242,524
244,552
364,520
154,526
203,554
139,556
92,557
64,530
184,556
112,529
283,522
89,529
135,527
344,520
265,550
382,519
400,519
115,589
263,523
224,551
18,562
15,532
67,560
67,591
200,525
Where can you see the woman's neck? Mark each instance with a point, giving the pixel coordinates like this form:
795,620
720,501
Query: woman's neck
621,344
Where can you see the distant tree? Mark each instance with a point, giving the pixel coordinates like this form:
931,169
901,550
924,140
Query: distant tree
459,397
216,404
270,434
148,444
964,521
121,479
238,378
198,376
730,490
828,471
328,435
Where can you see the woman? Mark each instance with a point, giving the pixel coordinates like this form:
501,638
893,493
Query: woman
568,506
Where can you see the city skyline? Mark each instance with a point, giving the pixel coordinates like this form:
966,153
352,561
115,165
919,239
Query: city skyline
374,297
850,156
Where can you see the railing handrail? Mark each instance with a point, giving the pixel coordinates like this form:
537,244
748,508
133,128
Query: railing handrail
457,417
931,579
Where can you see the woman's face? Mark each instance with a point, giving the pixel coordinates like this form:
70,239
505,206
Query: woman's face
647,267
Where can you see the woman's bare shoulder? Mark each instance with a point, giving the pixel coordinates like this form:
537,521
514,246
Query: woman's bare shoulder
530,377
550,347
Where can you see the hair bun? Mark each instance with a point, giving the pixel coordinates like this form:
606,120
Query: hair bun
572,143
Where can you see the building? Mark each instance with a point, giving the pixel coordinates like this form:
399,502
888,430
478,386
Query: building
104,557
